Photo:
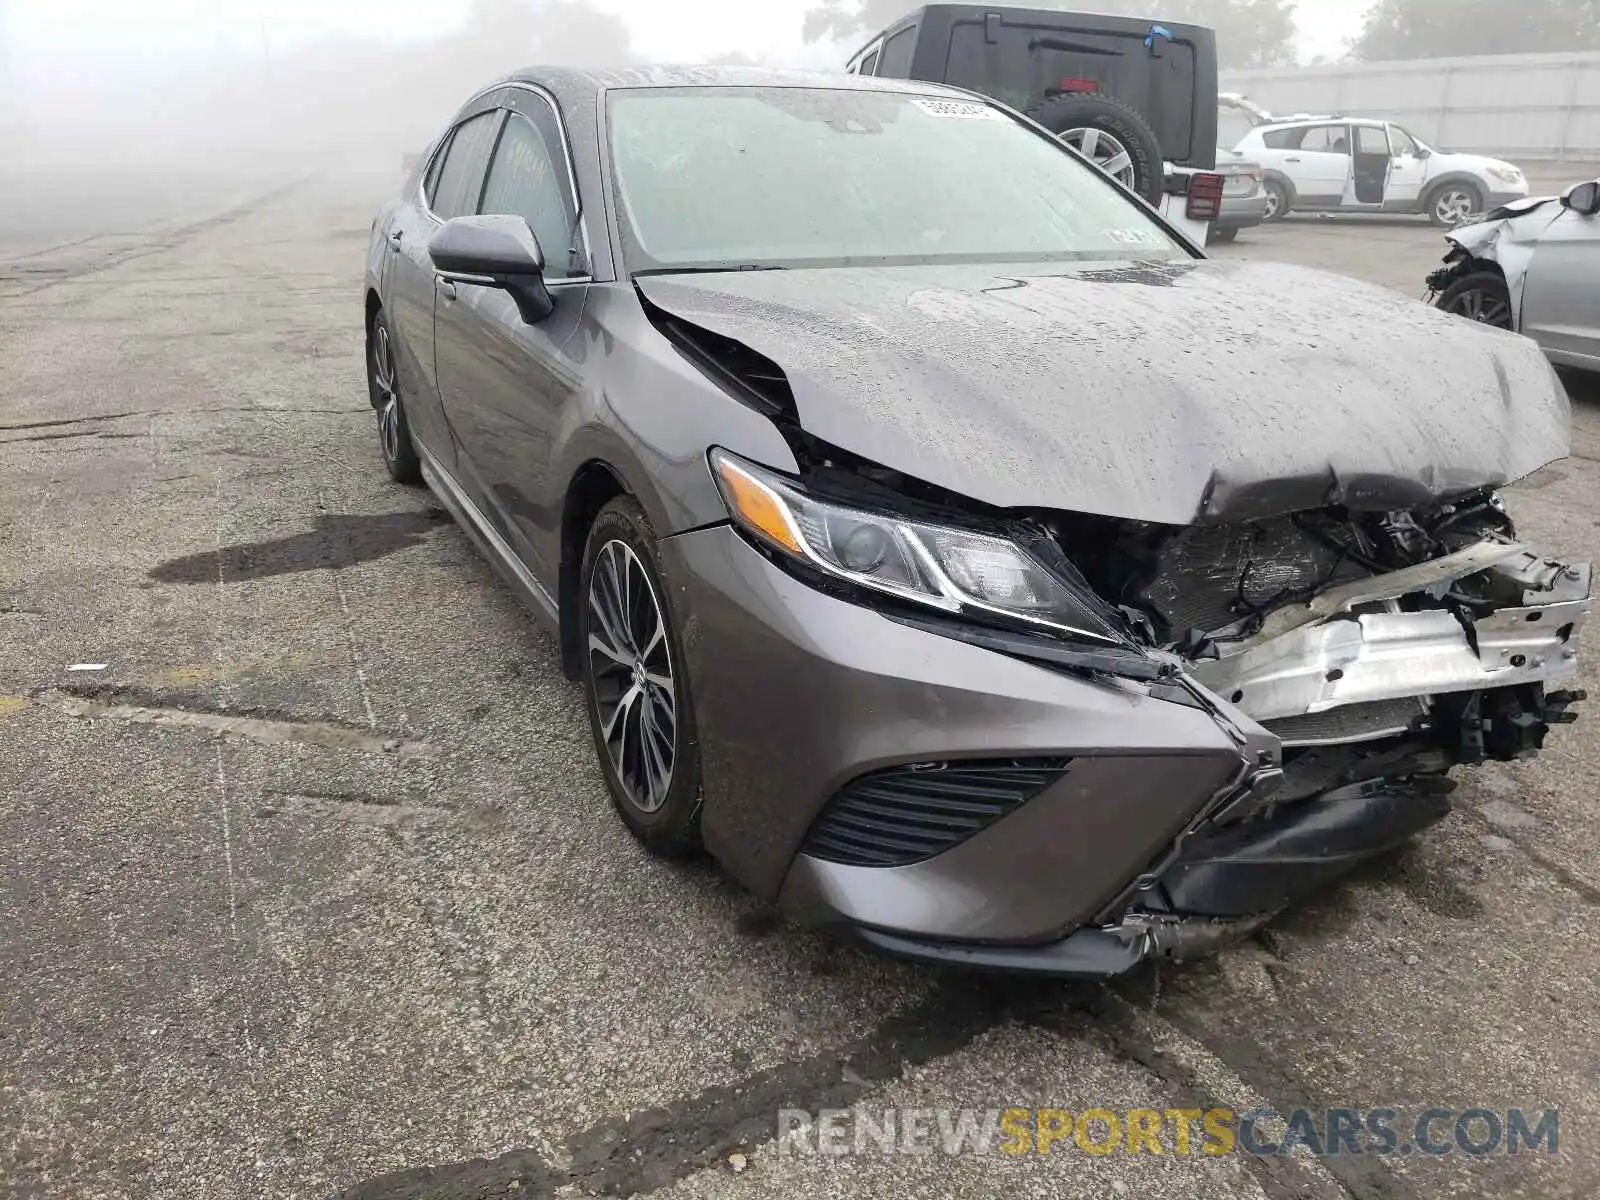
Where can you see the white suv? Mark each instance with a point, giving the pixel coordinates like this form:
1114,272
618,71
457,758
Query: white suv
1350,164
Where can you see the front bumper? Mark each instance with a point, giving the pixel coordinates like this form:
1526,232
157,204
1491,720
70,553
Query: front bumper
796,693
1175,823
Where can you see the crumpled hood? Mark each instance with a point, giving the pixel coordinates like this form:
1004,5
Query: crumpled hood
1175,393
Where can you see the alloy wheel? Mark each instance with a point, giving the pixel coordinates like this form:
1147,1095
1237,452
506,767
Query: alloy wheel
1105,151
383,375
1453,206
1273,201
631,674
1484,307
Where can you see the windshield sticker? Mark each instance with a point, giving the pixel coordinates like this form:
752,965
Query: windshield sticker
956,108
1136,237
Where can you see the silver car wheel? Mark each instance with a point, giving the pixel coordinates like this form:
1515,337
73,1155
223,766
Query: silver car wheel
1104,150
389,395
1485,308
630,671
1453,206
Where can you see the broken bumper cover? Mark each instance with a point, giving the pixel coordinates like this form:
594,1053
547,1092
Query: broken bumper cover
1221,887
801,694
1158,836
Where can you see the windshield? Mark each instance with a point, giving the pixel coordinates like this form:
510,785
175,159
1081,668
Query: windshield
714,177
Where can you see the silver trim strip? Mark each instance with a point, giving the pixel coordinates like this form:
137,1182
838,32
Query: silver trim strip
470,517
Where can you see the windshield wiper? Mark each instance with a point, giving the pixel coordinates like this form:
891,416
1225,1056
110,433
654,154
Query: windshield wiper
707,270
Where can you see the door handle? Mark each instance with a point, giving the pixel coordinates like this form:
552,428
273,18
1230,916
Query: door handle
1295,160
447,289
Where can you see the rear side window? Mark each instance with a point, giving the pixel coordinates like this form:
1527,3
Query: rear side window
461,178
894,62
430,186
1282,139
528,179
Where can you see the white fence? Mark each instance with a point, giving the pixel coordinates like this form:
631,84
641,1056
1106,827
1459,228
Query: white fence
1519,106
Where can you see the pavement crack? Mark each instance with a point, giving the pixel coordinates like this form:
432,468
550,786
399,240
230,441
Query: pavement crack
117,416
356,808
139,707
61,437
654,1148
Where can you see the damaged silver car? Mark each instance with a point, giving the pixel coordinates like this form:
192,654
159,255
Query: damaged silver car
944,542
1532,266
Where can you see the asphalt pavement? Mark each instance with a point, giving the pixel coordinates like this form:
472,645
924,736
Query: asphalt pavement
312,886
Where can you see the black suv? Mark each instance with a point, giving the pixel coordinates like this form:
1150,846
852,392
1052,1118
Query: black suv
1133,95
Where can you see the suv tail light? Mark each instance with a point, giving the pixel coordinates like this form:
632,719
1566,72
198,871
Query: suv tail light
1205,197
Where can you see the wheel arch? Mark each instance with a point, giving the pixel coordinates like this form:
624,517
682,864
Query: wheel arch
1283,181
593,485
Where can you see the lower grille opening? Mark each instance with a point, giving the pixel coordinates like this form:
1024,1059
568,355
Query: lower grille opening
906,814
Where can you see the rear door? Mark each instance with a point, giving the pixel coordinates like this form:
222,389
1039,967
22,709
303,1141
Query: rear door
1316,159
1561,293
453,176
505,383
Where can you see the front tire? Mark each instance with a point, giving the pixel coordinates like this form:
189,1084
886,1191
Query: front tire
1481,296
635,683
1451,204
383,389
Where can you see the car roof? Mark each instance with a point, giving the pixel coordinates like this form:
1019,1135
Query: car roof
1292,122
576,80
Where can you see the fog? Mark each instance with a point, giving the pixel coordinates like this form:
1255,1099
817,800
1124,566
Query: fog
147,107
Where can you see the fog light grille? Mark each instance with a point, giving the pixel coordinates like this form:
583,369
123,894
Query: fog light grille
906,814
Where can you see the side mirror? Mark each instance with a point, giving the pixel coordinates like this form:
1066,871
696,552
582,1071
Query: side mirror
1424,152
495,250
1585,198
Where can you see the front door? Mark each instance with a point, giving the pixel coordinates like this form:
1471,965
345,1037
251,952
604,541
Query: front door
1408,171
505,383
1560,299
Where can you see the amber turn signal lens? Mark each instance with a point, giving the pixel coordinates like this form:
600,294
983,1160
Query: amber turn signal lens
757,508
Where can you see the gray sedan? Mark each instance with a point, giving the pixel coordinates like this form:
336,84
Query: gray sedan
941,540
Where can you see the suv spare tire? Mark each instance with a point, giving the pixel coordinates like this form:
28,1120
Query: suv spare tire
1114,135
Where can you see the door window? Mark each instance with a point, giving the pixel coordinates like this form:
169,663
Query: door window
1326,139
528,179
461,179
1401,141
1371,139
869,65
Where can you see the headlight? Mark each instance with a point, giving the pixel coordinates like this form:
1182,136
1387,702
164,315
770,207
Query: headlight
957,570
1506,174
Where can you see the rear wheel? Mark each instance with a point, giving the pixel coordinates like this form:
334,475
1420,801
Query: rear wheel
1222,236
1481,296
1110,134
383,388
1278,202
635,683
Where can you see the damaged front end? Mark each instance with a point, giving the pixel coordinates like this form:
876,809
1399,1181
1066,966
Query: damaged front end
1374,651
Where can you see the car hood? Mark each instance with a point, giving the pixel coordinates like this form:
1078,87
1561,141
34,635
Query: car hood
1177,393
